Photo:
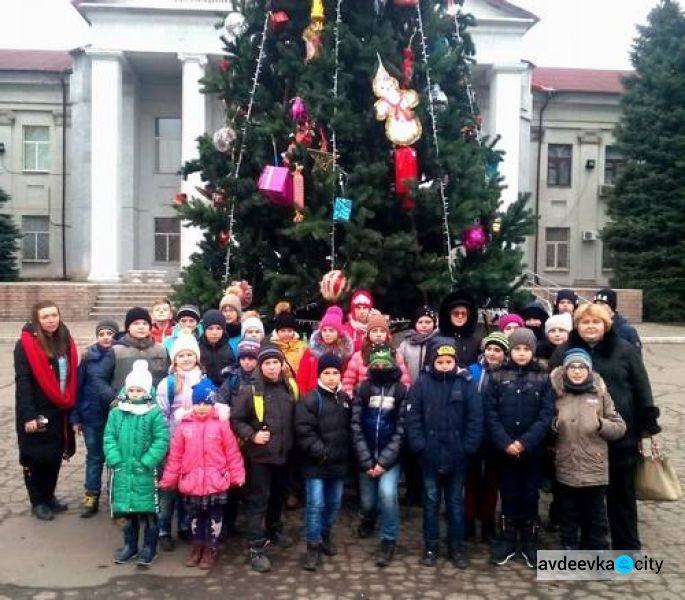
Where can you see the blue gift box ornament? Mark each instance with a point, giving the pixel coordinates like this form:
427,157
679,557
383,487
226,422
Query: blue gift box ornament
342,209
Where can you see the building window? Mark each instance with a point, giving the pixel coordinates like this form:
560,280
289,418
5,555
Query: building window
613,165
36,239
557,248
607,258
167,144
36,148
167,239
559,157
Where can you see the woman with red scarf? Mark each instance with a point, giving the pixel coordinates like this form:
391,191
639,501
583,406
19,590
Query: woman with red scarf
45,374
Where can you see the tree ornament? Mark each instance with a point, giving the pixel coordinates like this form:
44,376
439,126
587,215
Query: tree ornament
278,21
474,238
313,33
243,290
223,238
299,111
234,23
406,2
394,106
223,139
407,66
224,65
218,199
406,173
439,97
342,209
333,285
298,193
181,198
496,226
276,183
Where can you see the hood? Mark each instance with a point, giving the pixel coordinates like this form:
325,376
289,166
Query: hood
345,345
448,303
136,408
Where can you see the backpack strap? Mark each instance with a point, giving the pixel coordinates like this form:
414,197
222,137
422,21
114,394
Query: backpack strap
319,408
294,389
258,400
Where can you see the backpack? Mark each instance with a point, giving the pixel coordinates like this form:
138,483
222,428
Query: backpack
258,399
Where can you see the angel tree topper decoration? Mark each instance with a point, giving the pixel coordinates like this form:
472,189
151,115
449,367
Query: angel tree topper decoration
402,126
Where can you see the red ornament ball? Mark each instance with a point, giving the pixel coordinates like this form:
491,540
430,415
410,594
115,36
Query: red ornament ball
333,285
223,238
181,198
474,238
224,65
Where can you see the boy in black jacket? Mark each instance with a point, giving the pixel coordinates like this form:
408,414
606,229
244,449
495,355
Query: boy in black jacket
444,427
519,410
262,416
377,430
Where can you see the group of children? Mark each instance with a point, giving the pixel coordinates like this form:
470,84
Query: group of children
233,408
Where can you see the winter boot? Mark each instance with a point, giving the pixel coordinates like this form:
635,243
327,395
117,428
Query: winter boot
279,539
312,559
328,547
503,547
149,551
385,553
259,561
457,555
57,505
529,542
195,555
91,505
130,547
365,528
209,557
429,558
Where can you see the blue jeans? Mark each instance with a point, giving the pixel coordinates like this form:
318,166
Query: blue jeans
434,486
324,498
95,456
168,500
379,495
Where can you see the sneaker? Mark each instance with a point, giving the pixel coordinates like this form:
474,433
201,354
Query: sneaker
385,553
166,544
312,559
280,539
208,558
328,547
42,512
259,561
57,505
365,529
90,505
429,558
145,558
530,556
125,554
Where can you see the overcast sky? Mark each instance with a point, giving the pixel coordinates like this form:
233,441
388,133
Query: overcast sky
571,33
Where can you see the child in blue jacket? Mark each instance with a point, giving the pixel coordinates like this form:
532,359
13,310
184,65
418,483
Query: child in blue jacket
444,427
519,410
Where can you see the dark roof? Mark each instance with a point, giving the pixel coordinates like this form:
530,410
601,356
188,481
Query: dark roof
516,11
54,61
552,79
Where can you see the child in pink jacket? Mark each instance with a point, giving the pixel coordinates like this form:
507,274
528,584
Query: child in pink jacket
203,463
377,334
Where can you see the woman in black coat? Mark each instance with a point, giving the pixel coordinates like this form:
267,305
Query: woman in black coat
621,367
45,374
458,319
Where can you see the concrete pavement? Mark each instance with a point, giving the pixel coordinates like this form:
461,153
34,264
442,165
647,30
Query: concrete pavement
71,557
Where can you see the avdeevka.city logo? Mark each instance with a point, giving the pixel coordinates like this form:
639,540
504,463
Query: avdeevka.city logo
586,565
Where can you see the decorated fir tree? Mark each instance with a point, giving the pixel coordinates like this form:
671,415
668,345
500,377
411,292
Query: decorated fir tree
647,210
367,109
9,243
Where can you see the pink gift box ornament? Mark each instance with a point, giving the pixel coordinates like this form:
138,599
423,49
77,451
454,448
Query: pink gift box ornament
276,183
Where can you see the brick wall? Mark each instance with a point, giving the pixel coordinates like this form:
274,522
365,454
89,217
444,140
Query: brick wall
73,299
629,301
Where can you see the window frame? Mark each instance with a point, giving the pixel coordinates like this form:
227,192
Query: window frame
556,162
158,140
25,234
167,241
556,244
36,145
617,165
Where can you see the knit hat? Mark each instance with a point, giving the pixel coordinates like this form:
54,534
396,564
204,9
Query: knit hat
498,339
562,321
188,310
248,348
504,320
534,311
268,351
577,355
204,392
446,349
285,320
333,318
361,298
137,313
424,311
382,355
185,341
566,294
139,376
329,360
251,322
608,296
523,336
110,324
231,300
377,320
213,317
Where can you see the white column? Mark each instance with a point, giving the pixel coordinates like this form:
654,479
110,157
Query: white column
105,161
505,120
193,125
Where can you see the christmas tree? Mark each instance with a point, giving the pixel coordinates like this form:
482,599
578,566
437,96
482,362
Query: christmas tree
368,102
647,209
9,244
